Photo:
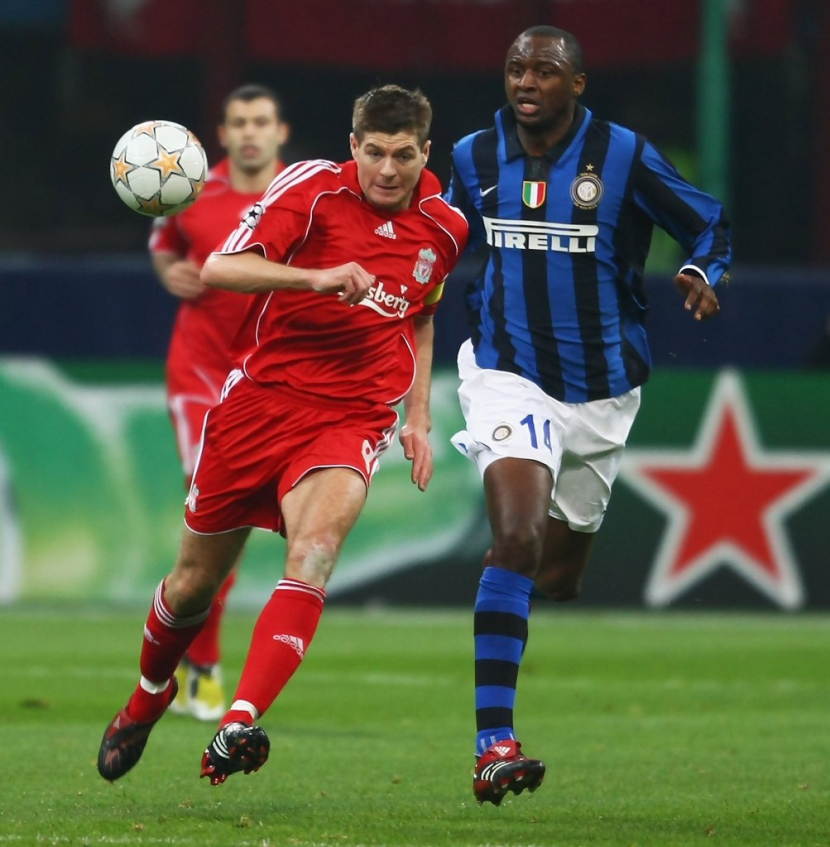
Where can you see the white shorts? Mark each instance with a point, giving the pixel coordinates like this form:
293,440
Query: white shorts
581,443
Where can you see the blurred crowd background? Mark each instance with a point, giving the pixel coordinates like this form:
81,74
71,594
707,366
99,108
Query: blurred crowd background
735,92
77,73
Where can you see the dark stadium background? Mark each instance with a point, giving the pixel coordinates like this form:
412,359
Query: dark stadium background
75,74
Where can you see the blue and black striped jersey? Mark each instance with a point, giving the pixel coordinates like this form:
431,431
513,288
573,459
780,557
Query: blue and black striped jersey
561,299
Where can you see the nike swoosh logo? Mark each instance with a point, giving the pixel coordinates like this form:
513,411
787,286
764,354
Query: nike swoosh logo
485,191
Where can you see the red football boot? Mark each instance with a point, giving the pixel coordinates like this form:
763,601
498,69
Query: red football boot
502,768
125,739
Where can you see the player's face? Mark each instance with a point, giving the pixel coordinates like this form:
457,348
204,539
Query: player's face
389,167
540,82
252,133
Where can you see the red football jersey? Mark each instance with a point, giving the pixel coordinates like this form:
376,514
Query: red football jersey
205,327
314,215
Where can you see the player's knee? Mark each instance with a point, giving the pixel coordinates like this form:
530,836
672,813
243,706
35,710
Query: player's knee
558,589
189,590
313,560
518,550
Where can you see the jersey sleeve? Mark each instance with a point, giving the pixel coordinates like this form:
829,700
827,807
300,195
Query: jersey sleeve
458,195
694,218
470,270
278,221
166,237
432,299
451,242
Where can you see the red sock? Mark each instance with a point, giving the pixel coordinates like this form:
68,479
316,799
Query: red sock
204,649
166,638
281,636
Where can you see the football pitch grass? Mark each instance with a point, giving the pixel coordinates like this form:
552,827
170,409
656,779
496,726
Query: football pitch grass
658,729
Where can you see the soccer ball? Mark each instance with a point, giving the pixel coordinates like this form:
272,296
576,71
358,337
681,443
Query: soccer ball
158,168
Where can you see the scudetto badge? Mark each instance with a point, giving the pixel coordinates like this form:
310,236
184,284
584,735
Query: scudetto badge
587,191
534,193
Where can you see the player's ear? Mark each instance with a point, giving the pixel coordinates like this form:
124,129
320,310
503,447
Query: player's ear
222,136
579,84
283,133
425,151
353,144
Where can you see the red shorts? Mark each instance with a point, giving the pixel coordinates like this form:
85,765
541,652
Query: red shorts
191,391
260,441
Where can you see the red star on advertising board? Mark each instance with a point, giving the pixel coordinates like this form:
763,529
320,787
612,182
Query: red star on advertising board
726,499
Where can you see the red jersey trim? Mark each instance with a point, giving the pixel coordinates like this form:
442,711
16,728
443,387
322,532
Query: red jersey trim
437,222
278,187
290,177
414,373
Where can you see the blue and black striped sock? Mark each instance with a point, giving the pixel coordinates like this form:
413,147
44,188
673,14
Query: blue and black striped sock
501,612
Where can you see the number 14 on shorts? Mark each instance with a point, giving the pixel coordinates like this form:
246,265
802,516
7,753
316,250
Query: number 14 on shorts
530,422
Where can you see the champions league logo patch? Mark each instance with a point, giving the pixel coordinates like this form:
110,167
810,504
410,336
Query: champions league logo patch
423,267
253,215
587,190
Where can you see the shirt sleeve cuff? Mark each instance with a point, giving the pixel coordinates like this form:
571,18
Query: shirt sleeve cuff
696,271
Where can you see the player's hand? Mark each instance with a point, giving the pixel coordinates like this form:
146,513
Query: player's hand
350,282
181,279
700,296
416,447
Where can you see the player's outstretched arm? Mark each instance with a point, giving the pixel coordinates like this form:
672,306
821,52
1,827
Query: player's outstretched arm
252,273
700,296
414,435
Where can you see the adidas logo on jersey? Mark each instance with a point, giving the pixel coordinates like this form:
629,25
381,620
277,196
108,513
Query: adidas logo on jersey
386,230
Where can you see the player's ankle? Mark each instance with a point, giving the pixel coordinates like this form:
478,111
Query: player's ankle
241,711
149,701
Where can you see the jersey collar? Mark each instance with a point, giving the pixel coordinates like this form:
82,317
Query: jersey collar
512,147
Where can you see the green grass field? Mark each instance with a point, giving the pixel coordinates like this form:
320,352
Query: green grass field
657,730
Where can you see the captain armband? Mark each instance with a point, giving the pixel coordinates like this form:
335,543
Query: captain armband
435,295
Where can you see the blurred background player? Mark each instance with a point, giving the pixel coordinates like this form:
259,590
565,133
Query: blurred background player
550,380
198,360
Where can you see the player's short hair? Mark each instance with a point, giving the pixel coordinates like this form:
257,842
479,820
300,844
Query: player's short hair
391,109
248,92
573,49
